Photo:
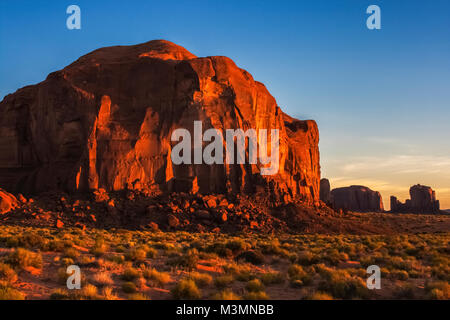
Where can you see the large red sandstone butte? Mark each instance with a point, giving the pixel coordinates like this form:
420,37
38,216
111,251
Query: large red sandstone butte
105,121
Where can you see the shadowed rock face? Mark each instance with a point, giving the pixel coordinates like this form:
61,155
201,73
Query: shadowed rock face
357,198
106,121
423,200
325,193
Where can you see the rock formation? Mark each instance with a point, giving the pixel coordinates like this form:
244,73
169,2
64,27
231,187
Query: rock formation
106,120
357,198
325,193
423,200
8,202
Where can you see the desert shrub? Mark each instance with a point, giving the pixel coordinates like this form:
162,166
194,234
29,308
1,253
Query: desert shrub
131,274
189,260
100,247
306,258
88,291
28,240
129,287
271,247
296,272
223,281
62,276
226,295
160,278
298,276
116,258
254,285
108,294
399,274
55,245
438,290
240,272
8,293
22,258
341,285
201,279
67,261
71,253
102,279
59,294
120,249
272,278
260,295
319,296
254,257
220,249
237,245
186,289
151,254
7,274
208,255
334,257
137,296
136,255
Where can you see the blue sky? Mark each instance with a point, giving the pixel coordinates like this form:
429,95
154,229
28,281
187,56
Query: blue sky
381,97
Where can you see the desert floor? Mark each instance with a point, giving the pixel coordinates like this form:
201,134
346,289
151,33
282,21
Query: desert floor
125,264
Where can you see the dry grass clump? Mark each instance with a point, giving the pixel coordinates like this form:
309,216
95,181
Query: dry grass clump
103,279
87,292
8,293
226,295
259,295
340,284
131,274
7,274
186,289
108,294
129,287
271,278
319,296
201,279
23,258
136,255
223,281
438,290
158,278
100,247
137,296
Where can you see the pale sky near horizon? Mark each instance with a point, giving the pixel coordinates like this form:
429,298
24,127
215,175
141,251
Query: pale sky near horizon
381,98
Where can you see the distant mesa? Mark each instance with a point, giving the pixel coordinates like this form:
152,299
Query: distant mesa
357,198
325,191
423,200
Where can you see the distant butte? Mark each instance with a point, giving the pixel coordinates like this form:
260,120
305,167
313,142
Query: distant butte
423,200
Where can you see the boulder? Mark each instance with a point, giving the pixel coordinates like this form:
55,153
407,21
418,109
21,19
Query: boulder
173,221
325,191
357,198
8,202
106,121
423,200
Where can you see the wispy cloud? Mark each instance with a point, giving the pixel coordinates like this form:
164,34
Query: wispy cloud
399,164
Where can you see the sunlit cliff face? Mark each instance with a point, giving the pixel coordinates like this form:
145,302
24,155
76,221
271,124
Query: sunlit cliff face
106,121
